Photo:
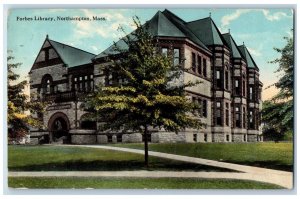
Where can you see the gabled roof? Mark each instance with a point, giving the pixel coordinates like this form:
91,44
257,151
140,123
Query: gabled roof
162,24
159,25
182,25
206,30
235,53
247,56
71,56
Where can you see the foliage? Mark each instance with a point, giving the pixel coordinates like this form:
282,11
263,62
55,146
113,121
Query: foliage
18,104
277,113
151,93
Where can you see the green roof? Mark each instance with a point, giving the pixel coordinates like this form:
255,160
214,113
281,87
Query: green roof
162,24
247,56
206,30
182,25
235,53
71,56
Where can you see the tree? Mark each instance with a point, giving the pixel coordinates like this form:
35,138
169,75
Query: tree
278,112
151,93
18,104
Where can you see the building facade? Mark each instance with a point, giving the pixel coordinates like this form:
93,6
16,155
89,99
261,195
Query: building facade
230,92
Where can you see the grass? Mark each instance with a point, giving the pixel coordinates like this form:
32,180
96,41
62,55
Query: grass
135,183
267,155
62,158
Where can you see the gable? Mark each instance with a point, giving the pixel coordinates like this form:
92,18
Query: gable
53,53
46,57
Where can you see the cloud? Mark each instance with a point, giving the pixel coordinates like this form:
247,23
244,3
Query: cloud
106,29
254,52
275,16
227,19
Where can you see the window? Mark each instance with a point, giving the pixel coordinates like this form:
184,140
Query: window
227,117
244,117
251,120
237,117
219,81
164,51
204,108
245,138
219,120
244,88
227,138
176,56
226,80
83,83
199,65
205,137
227,114
237,87
204,68
251,92
47,84
119,138
195,137
109,138
193,62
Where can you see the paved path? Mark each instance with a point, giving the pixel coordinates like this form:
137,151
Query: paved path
282,178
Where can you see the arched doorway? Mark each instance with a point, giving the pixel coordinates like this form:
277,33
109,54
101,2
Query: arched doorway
59,127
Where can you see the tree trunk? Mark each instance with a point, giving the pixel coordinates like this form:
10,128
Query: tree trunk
146,146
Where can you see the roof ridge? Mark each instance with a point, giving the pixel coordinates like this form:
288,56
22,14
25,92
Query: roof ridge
247,52
166,10
72,47
198,20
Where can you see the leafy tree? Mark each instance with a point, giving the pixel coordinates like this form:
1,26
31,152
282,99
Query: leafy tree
18,104
278,112
151,93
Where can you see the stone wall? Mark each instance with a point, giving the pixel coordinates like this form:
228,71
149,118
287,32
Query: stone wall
218,137
252,138
69,112
168,137
238,137
132,138
82,136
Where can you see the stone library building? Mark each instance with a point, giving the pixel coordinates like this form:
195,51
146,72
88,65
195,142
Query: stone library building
230,92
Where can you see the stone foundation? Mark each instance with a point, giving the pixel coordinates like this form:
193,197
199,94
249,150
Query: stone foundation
81,136
218,137
132,138
239,138
168,137
252,138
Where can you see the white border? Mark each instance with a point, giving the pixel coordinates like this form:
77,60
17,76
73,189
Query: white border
137,4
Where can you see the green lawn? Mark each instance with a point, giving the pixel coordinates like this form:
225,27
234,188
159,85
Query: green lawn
136,183
265,154
62,158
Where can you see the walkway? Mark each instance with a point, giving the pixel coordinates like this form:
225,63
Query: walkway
281,178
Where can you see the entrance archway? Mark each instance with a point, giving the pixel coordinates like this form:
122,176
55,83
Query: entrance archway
59,127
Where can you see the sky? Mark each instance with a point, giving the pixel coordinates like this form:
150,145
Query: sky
260,29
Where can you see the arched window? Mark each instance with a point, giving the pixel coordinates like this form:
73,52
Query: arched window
47,84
